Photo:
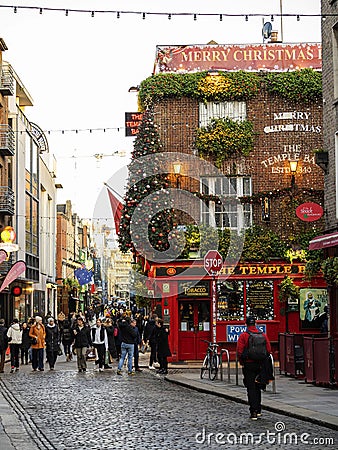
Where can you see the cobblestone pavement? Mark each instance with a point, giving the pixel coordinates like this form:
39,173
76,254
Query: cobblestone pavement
65,409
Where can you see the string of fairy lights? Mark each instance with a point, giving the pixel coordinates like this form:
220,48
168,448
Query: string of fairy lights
170,15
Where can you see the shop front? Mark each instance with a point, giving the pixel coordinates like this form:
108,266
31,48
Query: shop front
195,316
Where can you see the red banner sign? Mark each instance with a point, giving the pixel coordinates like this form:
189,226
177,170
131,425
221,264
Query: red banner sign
309,212
252,57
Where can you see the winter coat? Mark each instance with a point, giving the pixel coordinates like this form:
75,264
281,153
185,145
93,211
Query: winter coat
243,344
26,340
111,340
3,338
52,338
162,342
67,336
14,334
149,332
126,332
82,337
39,334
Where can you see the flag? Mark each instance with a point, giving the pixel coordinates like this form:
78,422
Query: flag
16,270
3,255
83,276
116,207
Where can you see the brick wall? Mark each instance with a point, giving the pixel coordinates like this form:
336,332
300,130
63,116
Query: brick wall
268,162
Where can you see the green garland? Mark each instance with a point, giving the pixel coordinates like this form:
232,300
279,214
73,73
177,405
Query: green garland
300,85
223,138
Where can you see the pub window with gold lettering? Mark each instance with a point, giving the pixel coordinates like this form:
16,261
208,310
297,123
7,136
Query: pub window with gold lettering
259,299
230,300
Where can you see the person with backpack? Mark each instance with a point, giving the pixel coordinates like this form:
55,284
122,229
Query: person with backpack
253,348
67,338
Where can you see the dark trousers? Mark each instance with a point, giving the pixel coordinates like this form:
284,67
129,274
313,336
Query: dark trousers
2,359
66,348
153,357
37,358
163,362
15,349
51,357
101,354
250,372
24,355
136,356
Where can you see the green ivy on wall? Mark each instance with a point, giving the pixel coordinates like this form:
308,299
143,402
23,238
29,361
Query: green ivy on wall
223,138
304,85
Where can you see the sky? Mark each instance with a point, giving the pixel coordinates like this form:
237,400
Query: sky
78,69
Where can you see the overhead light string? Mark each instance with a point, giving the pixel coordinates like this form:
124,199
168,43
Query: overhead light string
143,14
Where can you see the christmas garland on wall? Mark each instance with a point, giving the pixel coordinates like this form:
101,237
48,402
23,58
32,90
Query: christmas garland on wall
304,85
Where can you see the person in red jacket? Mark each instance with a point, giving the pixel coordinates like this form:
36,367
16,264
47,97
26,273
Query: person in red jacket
251,368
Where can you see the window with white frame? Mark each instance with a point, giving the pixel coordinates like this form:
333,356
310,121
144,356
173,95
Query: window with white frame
221,110
226,214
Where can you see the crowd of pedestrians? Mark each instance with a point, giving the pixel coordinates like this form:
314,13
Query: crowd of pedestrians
109,339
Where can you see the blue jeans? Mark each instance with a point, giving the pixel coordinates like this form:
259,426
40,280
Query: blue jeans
126,348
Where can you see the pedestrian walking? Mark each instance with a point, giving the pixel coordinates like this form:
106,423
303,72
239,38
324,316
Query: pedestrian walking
137,342
100,343
67,339
82,341
52,342
127,335
38,334
149,335
163,350
14,335
108,324
253,347
26,343
3,344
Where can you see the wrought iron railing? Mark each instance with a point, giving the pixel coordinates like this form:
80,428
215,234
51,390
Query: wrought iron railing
7,81
7,140
7,201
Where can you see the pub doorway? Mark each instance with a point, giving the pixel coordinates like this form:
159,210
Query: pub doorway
194,327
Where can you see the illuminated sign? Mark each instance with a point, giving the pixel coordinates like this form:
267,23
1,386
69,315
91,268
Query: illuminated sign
132,122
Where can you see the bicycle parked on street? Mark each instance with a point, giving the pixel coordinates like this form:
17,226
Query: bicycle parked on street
211,361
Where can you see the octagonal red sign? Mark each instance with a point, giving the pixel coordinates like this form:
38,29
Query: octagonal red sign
213,262
309,212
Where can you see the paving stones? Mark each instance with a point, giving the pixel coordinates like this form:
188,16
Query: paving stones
106,411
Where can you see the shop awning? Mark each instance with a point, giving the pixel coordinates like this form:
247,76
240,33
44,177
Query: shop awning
324,241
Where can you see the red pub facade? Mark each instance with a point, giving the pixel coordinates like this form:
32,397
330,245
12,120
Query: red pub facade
188,306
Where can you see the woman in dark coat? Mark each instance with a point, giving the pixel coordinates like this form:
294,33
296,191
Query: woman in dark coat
52,342
108,324
26,343
163,350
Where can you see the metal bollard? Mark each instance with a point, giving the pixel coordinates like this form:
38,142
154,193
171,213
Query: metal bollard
224,350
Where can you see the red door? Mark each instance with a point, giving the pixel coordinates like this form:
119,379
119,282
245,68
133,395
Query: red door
194,323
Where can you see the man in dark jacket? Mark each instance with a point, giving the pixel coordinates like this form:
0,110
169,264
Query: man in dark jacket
82,342
52,342
149,335
3,344
128,336
251,368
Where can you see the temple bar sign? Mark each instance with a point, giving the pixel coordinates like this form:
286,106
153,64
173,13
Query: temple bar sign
275,57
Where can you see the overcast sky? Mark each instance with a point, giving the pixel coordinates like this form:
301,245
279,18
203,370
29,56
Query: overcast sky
78,69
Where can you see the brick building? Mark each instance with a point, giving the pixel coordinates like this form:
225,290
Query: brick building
203,84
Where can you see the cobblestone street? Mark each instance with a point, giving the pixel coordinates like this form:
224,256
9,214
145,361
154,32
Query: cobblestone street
70,410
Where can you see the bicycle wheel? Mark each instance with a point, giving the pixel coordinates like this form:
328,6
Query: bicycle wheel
213,369
205,366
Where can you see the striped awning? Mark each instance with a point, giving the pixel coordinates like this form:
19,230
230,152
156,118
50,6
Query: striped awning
324,241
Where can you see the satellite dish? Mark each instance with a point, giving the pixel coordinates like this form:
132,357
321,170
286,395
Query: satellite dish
267,29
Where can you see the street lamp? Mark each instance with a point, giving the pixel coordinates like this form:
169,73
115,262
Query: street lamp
177,172
293,169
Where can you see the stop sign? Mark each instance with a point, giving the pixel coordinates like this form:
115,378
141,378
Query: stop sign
213,262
